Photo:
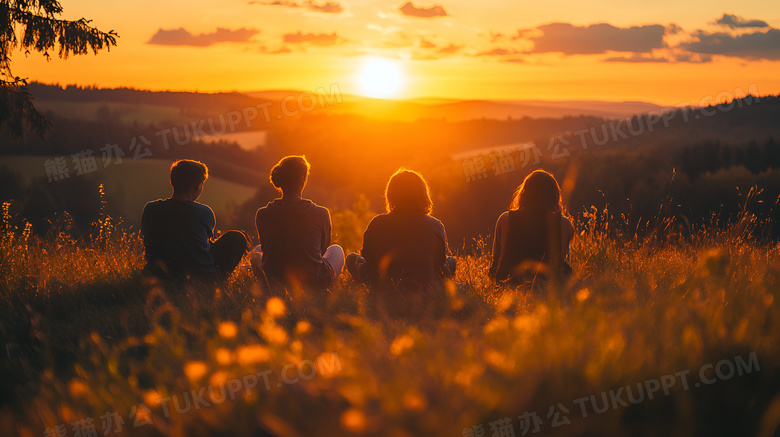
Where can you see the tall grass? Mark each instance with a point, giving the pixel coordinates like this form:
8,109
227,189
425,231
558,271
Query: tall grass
86,337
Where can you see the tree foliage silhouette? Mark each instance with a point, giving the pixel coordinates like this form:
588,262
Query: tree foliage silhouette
32,25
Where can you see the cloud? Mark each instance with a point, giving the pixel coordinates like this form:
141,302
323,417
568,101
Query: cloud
435,52
280,51
425,44
315,39
735,22
286,3
669,56
182,37
498,51
328,7
636,59
596,38
450,49
693,58
494,37
411,10
757,45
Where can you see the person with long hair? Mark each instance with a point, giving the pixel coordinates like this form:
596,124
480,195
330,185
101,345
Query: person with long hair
533,236
295,233
405,246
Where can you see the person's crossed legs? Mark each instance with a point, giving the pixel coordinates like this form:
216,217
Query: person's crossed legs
334,256
227,252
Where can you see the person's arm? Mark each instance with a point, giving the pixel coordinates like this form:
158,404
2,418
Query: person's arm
149,249
326,233
497,239
204,215
257,226
211,224
567,233
370,252
445,247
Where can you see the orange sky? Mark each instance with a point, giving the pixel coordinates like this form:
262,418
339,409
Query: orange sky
495,49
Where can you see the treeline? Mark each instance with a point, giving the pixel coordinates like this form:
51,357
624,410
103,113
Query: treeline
180,99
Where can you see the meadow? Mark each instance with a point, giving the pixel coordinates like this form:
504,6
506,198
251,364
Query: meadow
659,334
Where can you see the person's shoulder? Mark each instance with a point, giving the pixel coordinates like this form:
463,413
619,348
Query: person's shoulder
379,221
268,206
503,217
155,203
433,221
202,207
153,206
319,208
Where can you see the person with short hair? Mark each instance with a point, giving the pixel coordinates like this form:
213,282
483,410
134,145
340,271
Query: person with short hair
532,238
405,246
177,232
295,233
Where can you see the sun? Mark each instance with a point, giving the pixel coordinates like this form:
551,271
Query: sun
380,77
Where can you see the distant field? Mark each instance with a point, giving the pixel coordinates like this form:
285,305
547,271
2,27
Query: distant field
246,140
133,183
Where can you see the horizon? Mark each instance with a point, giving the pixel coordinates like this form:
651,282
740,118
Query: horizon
736,93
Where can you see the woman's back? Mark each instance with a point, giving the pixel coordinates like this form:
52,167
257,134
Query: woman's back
404,248
294,235
526,237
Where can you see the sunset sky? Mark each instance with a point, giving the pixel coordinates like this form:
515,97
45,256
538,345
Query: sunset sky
664,51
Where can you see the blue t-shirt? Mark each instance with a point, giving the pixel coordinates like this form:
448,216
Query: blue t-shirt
177,236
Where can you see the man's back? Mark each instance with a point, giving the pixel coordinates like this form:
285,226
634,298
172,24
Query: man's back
294,235
177,237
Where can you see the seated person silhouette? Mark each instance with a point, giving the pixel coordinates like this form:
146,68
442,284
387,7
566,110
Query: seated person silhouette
405,246
177,232
533,236
295,233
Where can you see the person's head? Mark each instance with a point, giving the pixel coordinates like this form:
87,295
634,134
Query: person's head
539,190
407,192
289,175
188,177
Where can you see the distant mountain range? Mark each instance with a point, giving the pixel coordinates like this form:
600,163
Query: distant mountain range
167,104
460,110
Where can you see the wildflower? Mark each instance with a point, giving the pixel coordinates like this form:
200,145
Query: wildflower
253,354
223,356
414,400
401,344
78,388
353,420
275,307
195,370
228,330
302,327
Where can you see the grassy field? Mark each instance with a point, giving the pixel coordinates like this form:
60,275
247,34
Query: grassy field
651,336
134,182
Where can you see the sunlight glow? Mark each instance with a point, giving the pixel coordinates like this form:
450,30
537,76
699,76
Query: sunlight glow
380,78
